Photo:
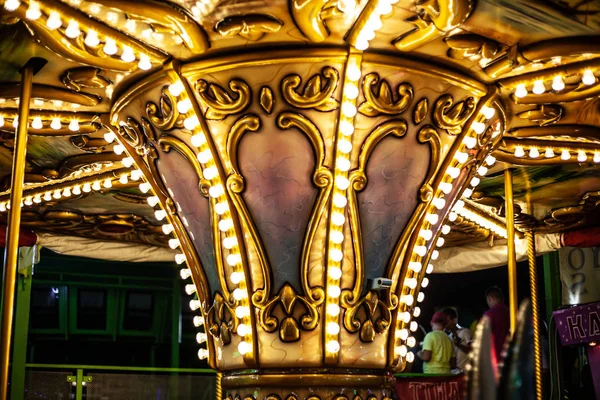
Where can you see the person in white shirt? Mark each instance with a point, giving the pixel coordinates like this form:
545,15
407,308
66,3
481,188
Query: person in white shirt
460,336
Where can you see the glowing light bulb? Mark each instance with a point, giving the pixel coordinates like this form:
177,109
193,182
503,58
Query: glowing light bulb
361,44
239,294
346,128
588,77
565,155
190,123
33,12
144,63
420,251
76,190
72,30
74,125
345,146
336,255
203,354
482,170
429,269
242,330
333,328
225,224
236,277
336,237
152,201
91,38
179,258
333,346
96,185
136,174
110,47
426,234
353,71
538,87
488,112
195,304
410,357
123,179
519,152
475,181
415,266
1,121
221,208
343,164
521,90
128,55
407,299
339,200
216,191
432,218
118,149
558,84
478,127
470,142
160,214
334,291
401,350
67,192
333,309
453,172
490,160
435,254
53,22
183,106
190,289
204,156
334,272
549,153
417,310
185,273
110,137
341,182
234,259
410,282
411,342
446,229
338,219
581,156
596,157
421,296
405,317
424,284
37,123
452,216
176,88
467,193
11,5
230,242
461,157
107,183
201,337
55,124
459,205
198,139
438,203
403,333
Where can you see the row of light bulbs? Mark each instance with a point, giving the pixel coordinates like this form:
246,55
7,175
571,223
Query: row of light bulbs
220,203
539,86
373,23
339,203
73,30
168,229
460,209
37,122
549,152
426,235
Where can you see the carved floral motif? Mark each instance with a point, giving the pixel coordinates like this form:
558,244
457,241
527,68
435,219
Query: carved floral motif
318,92
381,99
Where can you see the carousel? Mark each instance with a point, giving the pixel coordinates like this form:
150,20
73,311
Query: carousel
308,164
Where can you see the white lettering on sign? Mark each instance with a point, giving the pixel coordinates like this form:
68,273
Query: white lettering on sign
575,325
580,274
435,390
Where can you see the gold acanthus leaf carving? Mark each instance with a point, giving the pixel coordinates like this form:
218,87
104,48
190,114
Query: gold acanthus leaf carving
78,78
420,111
289,329
310,17
221,319
219,102
380,99
434,18
544,114
472,46
266,99
135,133
450,116
428,134
376,319
318,92
251,26
164,116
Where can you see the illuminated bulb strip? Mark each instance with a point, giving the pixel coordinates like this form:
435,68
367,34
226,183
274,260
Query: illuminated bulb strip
372,15
335,252
481,221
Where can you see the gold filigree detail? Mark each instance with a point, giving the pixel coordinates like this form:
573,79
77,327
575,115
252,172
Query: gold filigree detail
428,134
318,92
471,46
78,78
10,90
323,179
376,317
450,116
220,104
544,114
136,133
266,99
420,111
221,319
87,144
434,18
250,26
380,99
289,329
164,116
310,17
166,142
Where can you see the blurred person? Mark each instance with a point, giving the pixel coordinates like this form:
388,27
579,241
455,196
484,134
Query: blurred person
499,316
460,336
438,350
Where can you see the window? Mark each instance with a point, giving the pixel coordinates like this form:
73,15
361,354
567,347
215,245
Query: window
91,309
45,312
138,311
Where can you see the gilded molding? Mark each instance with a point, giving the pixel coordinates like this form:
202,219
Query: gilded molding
544,114
80,77
428,134
570,217
471,46
251,27
10,90
318,92
588,132
220,104
433,19
310,17
451,116
87,144
166,142
266,99
376,320
165,115
384,101
221,319
420,111
87,122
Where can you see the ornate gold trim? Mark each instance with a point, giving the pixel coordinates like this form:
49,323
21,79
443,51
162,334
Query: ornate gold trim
384,102
9,90
451,116
589,132
428,134
316,94
251,27
219,102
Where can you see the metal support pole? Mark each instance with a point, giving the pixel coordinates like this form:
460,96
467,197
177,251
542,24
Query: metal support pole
17,383
512,255
553,301
535,310
14,220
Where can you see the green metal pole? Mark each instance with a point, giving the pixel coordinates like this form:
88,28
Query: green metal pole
552,288
79,387
175,337
19,356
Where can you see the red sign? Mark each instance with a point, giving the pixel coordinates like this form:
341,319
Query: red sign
431,387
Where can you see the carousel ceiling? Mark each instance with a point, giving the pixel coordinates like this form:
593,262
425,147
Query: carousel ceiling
541,55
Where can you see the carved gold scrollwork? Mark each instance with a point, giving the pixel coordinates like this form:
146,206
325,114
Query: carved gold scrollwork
221,319
167,142
135,133
164,116
310,17
266,99
289,330
450,116
380,99
318,92
323,179
420,111
251,26
219,102
350,299
434,19
85,143
544,114
78,78
472,46
428,134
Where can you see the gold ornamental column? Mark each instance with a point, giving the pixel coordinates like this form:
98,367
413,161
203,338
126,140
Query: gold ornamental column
535,314
512,255
14,219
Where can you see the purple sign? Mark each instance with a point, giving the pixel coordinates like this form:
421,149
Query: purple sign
580,324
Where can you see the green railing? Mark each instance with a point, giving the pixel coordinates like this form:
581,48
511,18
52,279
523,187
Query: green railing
99,382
